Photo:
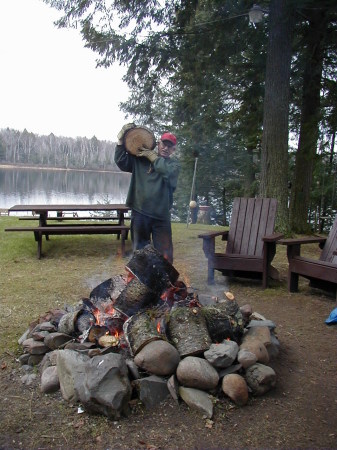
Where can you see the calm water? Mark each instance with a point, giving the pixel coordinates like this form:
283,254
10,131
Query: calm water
40,186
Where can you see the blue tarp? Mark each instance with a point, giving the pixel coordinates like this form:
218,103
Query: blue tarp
332,318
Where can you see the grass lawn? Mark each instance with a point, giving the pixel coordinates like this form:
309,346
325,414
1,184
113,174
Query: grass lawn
71,268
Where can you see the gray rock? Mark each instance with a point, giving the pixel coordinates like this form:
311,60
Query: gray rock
235,387
257,348
152,390
49,359
56,340
260,333
23,359
274,348
197,373
45,326
173,387
49,380
24,337
262,323
79,345
133,369
106,388
34,347
222,355
260,378
29,379
198,400
39,335
246,311
158,358
246,358
35,360
71,368
231,369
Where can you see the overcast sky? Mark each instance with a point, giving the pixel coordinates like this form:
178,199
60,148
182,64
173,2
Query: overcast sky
49,82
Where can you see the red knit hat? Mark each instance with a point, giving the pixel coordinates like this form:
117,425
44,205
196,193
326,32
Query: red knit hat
169,137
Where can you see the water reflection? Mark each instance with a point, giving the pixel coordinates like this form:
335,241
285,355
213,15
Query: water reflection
41,186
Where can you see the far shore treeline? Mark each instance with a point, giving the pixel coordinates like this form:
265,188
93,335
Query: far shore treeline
27,148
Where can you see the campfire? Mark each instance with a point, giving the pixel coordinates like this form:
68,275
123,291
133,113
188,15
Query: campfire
146,334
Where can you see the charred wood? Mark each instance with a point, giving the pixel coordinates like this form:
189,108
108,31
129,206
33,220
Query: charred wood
152,269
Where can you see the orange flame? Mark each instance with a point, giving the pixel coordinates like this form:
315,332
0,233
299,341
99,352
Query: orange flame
130,276
98,316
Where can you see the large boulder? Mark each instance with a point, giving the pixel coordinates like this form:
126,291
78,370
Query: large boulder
260,378
222,355
70,370
106,388
197,373
235,387
159,358
198,400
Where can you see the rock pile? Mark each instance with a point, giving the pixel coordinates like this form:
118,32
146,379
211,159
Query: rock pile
105,380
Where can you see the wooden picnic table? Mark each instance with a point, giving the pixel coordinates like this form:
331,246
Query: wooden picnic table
115,212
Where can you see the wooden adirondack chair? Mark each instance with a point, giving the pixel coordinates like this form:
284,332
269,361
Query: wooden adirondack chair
251,241
322,273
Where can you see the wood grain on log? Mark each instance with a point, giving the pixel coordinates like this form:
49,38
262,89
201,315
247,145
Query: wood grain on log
224,321
188,332
140,329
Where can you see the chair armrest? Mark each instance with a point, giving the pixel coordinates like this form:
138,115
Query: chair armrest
306,240
272,237
212,235
208,242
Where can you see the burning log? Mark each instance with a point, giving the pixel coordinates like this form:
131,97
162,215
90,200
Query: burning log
68,322
96,332
188,332
85,320
135,297
107,290
152,269
140,330
224,320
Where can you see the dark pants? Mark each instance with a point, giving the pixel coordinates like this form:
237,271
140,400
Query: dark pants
145,227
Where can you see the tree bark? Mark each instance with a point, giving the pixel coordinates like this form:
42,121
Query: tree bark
188,332
310,119
274,155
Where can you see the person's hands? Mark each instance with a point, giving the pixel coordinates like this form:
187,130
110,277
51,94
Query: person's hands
125,128
151,155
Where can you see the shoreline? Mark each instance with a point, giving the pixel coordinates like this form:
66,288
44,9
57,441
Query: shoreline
29,167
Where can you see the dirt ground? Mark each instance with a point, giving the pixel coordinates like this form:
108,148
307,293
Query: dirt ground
301,412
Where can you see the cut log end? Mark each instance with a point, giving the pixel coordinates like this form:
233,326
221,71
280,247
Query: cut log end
229,295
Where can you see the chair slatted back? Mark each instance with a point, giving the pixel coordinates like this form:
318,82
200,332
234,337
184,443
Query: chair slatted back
330,245
252,218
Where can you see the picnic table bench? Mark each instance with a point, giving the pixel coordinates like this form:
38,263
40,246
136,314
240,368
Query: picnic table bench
45,229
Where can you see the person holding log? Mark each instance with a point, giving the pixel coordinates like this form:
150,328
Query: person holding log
150,196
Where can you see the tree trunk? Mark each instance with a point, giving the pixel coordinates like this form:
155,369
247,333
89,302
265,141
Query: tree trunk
249,172
274,155
310,119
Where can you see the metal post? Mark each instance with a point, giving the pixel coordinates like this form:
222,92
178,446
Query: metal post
192,190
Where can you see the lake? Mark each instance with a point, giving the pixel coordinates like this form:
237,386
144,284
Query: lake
46,186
